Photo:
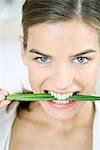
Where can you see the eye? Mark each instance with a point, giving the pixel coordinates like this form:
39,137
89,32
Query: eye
41,59
81,60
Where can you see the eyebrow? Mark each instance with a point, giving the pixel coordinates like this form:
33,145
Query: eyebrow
76,55
39,52
84,52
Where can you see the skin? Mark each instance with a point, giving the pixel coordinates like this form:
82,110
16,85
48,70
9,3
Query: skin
61,72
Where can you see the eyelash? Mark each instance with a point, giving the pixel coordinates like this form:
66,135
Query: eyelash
36,59
74,60
87,59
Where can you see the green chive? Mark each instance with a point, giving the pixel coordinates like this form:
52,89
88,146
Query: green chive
47,97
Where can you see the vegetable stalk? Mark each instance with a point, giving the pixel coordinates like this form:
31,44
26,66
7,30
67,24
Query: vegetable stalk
47,97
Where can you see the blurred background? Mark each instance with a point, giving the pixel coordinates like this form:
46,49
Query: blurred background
13,73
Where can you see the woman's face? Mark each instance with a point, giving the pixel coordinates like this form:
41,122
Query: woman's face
62,58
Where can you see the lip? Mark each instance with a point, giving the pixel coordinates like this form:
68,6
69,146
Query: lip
62,106
61,92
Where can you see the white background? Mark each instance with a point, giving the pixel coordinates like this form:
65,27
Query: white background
13,73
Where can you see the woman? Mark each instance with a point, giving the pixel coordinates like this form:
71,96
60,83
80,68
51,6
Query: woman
61,49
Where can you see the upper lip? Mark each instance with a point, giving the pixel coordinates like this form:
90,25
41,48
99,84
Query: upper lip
62,92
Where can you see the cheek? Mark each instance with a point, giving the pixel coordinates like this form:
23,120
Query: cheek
37,75
88,78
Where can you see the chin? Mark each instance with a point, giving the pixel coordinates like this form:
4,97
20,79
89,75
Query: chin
59,115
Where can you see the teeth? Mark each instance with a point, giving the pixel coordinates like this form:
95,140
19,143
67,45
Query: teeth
64,96
58,96
55,95
60,102
67,102
70,94
51,93
61,96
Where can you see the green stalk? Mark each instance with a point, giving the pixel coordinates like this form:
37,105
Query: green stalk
47,97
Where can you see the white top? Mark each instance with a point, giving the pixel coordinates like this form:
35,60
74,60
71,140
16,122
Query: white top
7,119
6,122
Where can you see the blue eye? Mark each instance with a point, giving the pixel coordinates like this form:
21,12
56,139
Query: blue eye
41,59
81,60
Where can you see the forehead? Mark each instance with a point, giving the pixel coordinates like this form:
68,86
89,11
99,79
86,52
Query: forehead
72,34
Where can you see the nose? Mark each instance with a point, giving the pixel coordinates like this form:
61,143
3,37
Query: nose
63,77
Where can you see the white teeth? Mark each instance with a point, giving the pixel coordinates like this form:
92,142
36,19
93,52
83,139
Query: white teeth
58,96
64,96
51,93
70,94
61,96
55,95
60,102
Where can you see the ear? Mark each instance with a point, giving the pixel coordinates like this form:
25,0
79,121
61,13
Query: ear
23,50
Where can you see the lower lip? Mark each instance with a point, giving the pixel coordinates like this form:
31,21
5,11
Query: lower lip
61,106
